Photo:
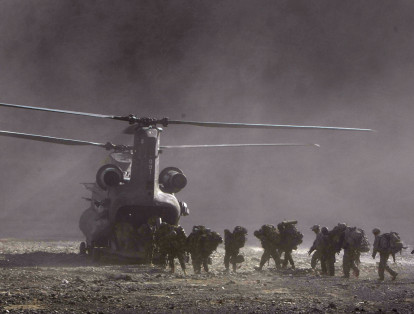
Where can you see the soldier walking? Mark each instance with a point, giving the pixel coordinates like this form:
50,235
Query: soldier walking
380,246
327,251
317,255
270,239
233,242
290,239
171,242
201,243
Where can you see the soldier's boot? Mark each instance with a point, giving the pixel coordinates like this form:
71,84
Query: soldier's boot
205,266
234,267
356,272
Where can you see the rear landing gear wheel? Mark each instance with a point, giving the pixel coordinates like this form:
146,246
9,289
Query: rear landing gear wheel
82,248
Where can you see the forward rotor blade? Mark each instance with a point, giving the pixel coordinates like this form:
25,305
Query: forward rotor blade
238,145
60,111
50,139
259,126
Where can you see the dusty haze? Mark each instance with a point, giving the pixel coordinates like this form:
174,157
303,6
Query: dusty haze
336,63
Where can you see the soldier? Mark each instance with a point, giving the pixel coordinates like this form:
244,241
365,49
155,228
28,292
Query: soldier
270,240
317,255
384,254
201,243
233,242
146,234
354,243
327,253
171,241
290,239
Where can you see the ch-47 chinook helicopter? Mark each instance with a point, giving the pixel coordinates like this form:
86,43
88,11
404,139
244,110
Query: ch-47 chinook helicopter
130,189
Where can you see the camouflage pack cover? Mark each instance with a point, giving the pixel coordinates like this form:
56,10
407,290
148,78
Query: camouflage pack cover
390,243
235,239
292,237
269,233
355,238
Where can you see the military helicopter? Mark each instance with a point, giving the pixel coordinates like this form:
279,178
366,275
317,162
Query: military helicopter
130,190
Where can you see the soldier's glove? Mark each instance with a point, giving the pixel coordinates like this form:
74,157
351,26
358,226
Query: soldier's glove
373,256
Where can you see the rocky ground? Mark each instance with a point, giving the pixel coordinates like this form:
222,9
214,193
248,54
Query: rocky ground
50,277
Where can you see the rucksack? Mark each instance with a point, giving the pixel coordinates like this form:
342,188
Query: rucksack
292,236
390,243
355,238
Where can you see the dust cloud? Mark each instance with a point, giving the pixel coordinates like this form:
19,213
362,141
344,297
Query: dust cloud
335,63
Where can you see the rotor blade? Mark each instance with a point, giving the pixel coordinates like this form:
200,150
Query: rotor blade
60,111
239,145
50,139
259,126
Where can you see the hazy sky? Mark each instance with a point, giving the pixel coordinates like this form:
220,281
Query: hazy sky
336,63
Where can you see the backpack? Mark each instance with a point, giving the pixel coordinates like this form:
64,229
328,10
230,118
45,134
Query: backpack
268,233
390,243
292,236
355,238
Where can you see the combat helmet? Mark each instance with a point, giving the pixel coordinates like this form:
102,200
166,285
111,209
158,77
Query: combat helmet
324,230
376,231
240,229
315,228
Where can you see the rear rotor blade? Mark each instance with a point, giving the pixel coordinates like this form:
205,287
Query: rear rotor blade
239,145
60,111
50,139
259,126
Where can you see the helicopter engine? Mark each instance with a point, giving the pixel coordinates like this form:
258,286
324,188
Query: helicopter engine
172,180
108,176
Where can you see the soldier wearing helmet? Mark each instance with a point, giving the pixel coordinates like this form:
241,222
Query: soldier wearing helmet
317,255
233,242
326,246
384,255
201,243
270,239
171,242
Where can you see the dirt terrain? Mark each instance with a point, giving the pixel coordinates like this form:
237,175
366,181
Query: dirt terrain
50,277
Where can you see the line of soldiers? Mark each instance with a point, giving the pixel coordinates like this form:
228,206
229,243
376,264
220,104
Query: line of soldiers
171,242
354,242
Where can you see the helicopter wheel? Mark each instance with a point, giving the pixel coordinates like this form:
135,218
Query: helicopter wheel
82,248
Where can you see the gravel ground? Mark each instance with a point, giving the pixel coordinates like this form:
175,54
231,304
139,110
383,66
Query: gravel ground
50,277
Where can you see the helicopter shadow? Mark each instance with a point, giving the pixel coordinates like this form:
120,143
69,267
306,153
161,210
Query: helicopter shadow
48,259
44,259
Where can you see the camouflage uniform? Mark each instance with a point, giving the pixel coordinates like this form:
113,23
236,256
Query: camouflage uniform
354,243
201,243
317,255
270,239
350,261
290,239
233,242
327,253
171,241
384,256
